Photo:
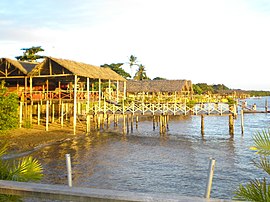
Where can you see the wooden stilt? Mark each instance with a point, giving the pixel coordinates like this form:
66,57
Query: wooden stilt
127,123
154,120
137,121
38,113
47,115
202,125
75,105
131,123
53,112
231,125
21,114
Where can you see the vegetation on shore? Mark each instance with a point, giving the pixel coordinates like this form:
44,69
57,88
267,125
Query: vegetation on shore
8,109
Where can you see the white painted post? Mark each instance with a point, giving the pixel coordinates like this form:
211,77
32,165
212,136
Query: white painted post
69,172
242,122
211,169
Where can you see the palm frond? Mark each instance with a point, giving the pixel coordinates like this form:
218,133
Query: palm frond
255,190
25,170
3,148
263,164
262,143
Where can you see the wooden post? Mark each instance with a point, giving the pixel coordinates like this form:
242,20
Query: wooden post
31,113
124,124
88,128
231,125
38,115
127,123
131,123
117,91
47,115
242,122
160,124
53,112
62,114
154,125
137,121
202,125
21,113
125,89
75,105
99,94
109,89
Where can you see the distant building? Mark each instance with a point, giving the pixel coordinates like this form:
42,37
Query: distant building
179,87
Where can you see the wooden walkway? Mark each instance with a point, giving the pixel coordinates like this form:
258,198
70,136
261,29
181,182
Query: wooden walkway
163,108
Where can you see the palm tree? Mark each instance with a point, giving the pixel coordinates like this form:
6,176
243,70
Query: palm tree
258,190
132,61
141,73
26,169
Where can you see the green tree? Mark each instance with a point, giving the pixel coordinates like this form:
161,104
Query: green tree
258,189
23,170
30,54
196,89
141,73
8,109
118,69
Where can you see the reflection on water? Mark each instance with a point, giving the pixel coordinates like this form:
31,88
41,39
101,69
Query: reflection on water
144,161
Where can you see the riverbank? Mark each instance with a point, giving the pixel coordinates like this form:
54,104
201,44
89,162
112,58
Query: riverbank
25,139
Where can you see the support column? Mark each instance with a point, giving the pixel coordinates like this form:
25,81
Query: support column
99,94
75,105
125,90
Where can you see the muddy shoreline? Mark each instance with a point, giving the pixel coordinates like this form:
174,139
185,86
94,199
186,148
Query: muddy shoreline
22,140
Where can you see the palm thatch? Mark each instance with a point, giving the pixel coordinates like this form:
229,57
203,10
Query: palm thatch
155,86
9,67
53,66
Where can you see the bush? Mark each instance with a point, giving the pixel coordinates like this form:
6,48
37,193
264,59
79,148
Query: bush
8,109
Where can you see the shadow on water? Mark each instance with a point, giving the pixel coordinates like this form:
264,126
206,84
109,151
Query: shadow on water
146,161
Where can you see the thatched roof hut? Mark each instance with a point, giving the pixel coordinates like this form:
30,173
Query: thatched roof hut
14,69
53,67
156,86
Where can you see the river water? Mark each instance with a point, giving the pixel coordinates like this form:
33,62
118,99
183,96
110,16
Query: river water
145,161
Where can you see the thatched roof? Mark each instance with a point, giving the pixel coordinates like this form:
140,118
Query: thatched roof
155,86
53,66
14,67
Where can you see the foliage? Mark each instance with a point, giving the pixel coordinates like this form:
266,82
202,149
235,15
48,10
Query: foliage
141,73
258,93
8,109
204,88
117,68
258,190
159,78
30,54
26,169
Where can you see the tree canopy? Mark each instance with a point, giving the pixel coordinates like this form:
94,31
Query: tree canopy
30,54
141,73
118,69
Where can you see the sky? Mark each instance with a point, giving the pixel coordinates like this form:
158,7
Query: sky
205,41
